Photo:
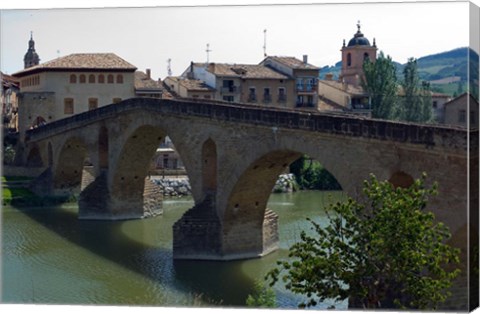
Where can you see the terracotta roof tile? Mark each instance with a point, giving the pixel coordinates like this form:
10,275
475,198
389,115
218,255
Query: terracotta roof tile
293,62
82,61
142,81
244,71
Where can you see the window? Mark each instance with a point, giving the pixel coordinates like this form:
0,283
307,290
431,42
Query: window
116,100
366,56
82,79
110,79
101,79
252,94
310,101
228,86
349,59
282,96
91,78
228,98
472,117
68,106
92,103
299,101
266,95
435,105
462,116
299,84
73,79
119,79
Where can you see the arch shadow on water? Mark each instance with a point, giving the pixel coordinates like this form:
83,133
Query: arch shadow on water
108,240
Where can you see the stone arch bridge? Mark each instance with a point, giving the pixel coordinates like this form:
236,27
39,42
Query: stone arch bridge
233,155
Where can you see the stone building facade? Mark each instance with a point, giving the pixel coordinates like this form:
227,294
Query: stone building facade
462,111
72,84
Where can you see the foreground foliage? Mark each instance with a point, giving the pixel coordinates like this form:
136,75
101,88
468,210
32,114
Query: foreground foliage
383,252
262,297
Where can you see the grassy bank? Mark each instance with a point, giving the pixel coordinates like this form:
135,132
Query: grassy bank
15,193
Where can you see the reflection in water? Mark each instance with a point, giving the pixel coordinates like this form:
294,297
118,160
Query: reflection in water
49,256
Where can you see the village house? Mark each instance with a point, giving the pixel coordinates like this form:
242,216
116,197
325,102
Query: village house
462,111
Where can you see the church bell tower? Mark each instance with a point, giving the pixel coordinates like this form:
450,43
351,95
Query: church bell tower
353,56
31,57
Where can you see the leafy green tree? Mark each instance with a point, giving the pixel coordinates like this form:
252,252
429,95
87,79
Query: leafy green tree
380,82
262,297
311,175
383,252
417,104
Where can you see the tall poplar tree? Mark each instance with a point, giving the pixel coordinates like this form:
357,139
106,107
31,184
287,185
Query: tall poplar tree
380,82
417,102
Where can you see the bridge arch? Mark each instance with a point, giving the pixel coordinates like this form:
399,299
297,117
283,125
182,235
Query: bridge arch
401,179
133,161
243,220
50,154
209,167
34,157
103,147
67,175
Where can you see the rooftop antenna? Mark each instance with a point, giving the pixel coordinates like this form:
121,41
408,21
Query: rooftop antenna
169,67
58,53
208,53
264,42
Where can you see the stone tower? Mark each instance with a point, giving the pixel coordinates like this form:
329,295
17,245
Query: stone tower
353,56
31,57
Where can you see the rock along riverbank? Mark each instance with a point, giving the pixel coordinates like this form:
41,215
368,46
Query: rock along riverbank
180,186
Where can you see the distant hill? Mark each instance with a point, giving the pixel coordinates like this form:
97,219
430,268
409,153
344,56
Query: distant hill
446,71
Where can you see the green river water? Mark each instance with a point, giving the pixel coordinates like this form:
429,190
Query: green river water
51,257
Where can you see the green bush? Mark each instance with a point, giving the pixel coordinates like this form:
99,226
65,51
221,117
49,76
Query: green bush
385,251
311,175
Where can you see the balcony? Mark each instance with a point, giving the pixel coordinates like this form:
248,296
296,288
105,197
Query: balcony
305,105
229,89
282,98
306,88
252,98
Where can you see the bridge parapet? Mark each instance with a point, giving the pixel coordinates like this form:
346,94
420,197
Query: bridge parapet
430,136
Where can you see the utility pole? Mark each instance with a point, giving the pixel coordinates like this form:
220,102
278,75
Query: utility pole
265,43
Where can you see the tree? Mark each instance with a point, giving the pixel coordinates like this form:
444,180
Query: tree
311,175
380,83
262,297
417,105
383,252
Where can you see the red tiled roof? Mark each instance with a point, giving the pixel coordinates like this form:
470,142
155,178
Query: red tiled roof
81,62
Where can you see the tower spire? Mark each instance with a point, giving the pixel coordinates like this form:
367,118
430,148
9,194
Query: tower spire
31,58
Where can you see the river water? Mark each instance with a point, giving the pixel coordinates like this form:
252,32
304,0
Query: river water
51,257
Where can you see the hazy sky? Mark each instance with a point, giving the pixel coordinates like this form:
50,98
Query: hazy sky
147,37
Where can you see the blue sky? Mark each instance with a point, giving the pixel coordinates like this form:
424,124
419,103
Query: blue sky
148,36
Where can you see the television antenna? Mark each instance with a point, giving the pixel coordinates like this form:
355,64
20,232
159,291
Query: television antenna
169,67
208,50
264,42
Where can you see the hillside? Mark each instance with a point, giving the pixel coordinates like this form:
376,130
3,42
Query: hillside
446,71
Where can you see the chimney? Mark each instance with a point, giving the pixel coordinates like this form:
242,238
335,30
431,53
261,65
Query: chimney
149,73
190,72
305,59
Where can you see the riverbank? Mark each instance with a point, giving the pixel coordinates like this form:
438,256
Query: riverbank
179,186
16,192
